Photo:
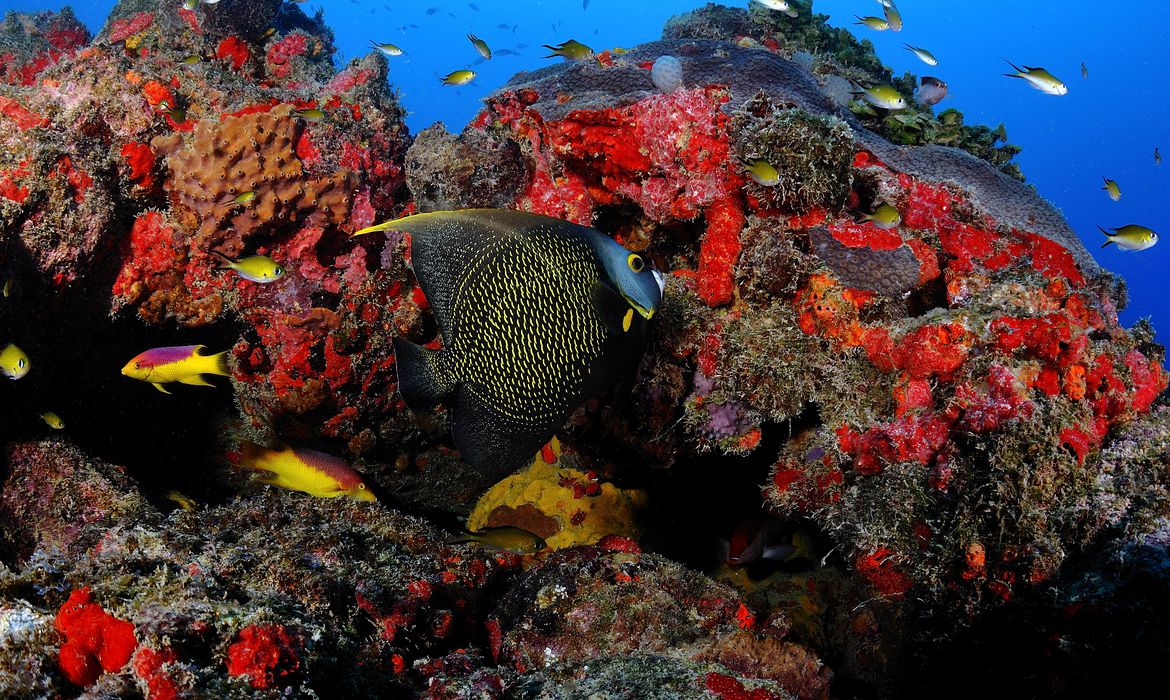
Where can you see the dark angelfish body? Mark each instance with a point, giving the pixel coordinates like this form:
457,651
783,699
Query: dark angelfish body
537,315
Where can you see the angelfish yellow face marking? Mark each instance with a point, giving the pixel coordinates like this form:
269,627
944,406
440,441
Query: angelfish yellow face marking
635,262
628,320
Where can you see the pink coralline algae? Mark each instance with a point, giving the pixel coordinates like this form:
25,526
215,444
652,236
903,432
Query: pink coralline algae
123,29
283,51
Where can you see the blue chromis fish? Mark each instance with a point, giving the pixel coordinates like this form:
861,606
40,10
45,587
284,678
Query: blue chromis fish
504,287
459,77
388,49
922,54
14,363
884,217
1039,78
183,363
254,268
763,173
52,420
571,50
480,46
780,6
1130,237
309,471
1112,189
503,539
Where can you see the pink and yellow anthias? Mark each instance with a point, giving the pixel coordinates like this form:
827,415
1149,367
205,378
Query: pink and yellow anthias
315,473
181,363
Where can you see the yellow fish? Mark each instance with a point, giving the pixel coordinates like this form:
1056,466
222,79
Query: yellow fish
878,24
183,363
254,268
190,60
14,364
504,539
243,197
388,49
1113,190
884,217
182,501
1130,237
1038,78
480,46
459,77
52,420
883,96
6,290
572,50
315,473
763,173
312,114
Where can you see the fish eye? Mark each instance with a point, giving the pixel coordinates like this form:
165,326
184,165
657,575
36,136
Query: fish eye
278,271
20,363
635,262
361,487
137,365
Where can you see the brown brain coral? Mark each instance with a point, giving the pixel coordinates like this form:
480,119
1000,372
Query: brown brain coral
251,153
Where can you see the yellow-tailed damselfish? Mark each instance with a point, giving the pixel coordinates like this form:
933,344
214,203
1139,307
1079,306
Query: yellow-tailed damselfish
537,315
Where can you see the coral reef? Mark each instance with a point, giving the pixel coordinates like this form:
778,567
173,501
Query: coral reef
947,411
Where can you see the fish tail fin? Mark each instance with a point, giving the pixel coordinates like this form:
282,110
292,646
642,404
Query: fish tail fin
213,364
421,379
224,261
1103,231
1106,243
1014,67
253,456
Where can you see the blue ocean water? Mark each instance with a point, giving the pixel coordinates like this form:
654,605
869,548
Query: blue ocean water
1106,126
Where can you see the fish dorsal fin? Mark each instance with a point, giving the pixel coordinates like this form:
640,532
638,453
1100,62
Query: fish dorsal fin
445,246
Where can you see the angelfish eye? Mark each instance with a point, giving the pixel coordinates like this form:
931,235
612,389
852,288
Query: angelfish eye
20,363
635,262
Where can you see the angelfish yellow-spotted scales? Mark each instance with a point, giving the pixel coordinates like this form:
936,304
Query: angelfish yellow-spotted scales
537,315
555,344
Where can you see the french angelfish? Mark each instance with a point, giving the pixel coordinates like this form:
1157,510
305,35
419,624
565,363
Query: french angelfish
536,314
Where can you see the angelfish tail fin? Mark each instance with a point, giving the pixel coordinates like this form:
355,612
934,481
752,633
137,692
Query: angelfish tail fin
421,378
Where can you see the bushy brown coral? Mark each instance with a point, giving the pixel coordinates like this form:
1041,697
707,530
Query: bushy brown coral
242,175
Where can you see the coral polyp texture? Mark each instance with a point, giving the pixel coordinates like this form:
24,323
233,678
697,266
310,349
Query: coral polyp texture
960,453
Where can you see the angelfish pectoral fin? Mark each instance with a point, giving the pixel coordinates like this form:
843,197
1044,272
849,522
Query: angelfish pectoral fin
421,377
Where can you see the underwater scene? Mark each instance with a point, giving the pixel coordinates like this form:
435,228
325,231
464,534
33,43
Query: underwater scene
583,349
